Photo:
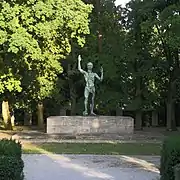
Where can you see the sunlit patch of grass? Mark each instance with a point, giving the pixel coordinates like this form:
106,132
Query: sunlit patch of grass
29,148
94,148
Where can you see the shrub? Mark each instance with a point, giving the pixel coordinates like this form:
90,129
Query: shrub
10,148
11,164
170,157
11,168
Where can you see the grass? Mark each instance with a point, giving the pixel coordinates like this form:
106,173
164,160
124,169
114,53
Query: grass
89,148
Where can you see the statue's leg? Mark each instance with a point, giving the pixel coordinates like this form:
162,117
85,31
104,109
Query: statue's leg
92,104
86,96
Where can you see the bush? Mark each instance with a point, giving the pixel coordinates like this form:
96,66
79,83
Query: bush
11,164
170,157
10,148
11,168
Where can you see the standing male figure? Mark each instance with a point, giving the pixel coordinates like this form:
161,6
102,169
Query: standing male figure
89,88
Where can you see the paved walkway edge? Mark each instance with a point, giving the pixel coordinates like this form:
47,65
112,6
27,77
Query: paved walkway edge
89,141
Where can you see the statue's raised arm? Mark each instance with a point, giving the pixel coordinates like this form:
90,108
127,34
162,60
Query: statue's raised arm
79,65
100,78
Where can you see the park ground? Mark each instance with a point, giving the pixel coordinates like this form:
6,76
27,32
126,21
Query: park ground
147,142
90,167
91,158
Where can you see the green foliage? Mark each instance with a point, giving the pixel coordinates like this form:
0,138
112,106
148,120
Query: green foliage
11,164
34,37
162,21
138,49
10,148
108,53
137,59
170,157
11,168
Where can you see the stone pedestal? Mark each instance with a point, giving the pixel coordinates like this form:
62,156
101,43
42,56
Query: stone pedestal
75,125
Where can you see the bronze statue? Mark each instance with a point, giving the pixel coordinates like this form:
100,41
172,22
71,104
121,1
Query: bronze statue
89,88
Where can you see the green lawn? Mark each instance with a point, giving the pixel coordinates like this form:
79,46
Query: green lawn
89,148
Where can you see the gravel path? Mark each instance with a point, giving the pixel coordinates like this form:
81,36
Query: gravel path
90,167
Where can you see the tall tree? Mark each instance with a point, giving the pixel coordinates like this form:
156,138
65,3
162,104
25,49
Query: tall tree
164,22
34,37
138,59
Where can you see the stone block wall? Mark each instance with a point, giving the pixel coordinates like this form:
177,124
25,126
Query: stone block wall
75,125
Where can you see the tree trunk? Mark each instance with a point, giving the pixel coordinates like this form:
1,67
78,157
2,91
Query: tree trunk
40,116
138,120
6,115
73,106
62,112
73,98
170,110
119,111
98,10
154,118
169,115
174,128
27,118
12,119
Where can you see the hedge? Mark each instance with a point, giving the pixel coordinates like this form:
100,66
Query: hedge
11,163
170,157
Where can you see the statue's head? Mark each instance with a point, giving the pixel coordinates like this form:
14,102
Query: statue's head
89,65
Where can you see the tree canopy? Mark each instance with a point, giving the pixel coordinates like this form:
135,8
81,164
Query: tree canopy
34,37
138,46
